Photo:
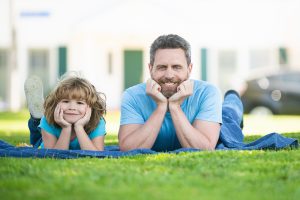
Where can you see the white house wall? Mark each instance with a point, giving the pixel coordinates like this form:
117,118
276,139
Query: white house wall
4,21
91,29
89,54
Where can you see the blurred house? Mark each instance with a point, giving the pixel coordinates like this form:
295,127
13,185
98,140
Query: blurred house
108,41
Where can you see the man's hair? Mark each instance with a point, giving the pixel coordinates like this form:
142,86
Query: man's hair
170,41
74,87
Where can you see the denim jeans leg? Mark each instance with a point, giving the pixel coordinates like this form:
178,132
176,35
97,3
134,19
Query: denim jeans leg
232,103
231,134
35,131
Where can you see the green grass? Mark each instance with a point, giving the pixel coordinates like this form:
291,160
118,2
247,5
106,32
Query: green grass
199,175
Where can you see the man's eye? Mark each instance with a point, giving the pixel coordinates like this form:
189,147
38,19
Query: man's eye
161,67
177,67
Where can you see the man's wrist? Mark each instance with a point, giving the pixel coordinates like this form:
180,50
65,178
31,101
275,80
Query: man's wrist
163,107
174,106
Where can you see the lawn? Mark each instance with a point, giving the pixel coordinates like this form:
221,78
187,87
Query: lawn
200,175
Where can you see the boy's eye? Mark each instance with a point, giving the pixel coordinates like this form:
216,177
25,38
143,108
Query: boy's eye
65,101
80,102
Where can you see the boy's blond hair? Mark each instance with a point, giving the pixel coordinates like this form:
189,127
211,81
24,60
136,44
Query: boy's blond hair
74,87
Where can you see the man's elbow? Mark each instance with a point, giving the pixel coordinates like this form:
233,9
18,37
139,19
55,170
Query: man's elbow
211,147
211,144
208,147
124,146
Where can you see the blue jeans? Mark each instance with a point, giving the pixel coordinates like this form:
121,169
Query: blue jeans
35,132
232,114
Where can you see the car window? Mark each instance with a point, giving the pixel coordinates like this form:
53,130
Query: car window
275,78
291,77
287,78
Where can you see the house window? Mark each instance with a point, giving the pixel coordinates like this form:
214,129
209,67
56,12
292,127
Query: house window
260,58
283,57
227,62
39,66
4,56
38,60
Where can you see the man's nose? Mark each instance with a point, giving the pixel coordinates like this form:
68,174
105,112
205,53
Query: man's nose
169,73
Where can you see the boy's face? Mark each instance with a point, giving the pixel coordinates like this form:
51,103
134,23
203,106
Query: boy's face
169,70
73,109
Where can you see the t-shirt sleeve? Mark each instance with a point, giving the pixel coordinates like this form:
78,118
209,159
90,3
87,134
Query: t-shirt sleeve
211,105
99,131
130,110
49,128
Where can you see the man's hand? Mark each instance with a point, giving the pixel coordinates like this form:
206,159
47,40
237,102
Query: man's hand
59,117
184,90
85,119
153,89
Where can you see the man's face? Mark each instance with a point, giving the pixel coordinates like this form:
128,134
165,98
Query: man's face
169,69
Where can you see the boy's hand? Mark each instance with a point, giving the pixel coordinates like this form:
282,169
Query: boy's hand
59,117
85,119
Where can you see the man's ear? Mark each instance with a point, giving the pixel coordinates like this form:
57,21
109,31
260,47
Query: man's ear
190,67
150,67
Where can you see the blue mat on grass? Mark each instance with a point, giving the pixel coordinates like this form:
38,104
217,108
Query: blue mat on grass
273,141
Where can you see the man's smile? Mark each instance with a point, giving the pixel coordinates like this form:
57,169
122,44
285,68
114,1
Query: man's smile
169,84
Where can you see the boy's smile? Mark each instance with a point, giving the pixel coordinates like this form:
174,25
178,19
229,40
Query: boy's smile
73,109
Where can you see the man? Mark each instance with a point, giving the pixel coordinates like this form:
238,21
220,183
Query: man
170,111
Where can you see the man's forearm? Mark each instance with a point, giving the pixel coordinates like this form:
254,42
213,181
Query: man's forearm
146,134
187,134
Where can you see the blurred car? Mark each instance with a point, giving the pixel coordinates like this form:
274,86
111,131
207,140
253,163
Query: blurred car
277,93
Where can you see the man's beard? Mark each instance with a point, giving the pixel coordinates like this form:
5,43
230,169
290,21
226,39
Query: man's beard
169,86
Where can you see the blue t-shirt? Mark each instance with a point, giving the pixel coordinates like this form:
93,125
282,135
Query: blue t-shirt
74,144
204,104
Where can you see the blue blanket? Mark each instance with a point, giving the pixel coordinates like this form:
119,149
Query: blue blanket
227,142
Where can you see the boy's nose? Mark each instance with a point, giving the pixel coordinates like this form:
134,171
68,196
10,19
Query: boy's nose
72,105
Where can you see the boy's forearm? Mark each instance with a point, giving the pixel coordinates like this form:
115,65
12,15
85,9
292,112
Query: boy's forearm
63,141
84,140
